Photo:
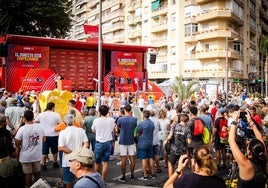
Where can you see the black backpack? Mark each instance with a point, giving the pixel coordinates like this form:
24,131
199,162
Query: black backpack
179,142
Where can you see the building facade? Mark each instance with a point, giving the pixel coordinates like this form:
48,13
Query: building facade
214,41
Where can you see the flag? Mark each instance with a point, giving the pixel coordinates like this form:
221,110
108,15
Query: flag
91,30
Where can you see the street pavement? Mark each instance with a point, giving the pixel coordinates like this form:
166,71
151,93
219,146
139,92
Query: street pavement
114,173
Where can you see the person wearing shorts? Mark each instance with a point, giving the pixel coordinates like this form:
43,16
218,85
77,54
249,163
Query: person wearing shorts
126,126
49,119
145,133
103,127
28,141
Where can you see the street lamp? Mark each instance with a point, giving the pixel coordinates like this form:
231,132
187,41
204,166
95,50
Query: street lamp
99,53
227,67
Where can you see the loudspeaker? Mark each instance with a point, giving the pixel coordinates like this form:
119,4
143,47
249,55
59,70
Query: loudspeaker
152,58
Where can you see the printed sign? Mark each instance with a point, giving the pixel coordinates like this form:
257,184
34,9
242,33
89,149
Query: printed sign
20,56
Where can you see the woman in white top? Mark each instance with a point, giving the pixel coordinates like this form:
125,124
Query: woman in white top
163,133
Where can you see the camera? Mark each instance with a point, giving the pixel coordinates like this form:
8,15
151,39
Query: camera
191,152
242,115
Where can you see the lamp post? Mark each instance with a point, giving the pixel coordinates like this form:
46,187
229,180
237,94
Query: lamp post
227,70
227,67
99,54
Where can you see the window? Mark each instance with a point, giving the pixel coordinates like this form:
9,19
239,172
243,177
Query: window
206,46
173,18
238,46
252,6
173,34
190,28
252,22
190,10
173,50
205,7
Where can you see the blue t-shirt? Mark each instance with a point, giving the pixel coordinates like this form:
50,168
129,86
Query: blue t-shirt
85,182
127,125
146,132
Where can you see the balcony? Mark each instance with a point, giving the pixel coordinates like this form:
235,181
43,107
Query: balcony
113,15
190,37
92,3
159,27
217,53
190,19
80,2
109,4
160,11
138,19
117,39
115,27
161,57
189,2
81,10
263,13
264,25
216,33
160,42
203,1
217,13
158,75
208,73
81,19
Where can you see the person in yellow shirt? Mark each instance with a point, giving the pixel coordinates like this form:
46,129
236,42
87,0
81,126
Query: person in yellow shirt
90,101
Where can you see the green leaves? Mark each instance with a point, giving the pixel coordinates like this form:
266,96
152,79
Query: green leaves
36,18
184,92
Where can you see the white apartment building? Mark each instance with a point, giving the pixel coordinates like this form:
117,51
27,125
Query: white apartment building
192,38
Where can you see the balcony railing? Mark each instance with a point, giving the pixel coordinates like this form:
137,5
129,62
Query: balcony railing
159,27
161,10
217,72
160,42
217,53
113,15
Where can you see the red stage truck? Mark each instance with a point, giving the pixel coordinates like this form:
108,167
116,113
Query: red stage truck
32,63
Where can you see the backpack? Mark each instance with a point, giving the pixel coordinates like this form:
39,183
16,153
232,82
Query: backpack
179,141
198,128
223,132
206,136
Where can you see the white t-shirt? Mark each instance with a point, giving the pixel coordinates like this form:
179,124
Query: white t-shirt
71,137
31,136
104,126
141,103
49,120
14,113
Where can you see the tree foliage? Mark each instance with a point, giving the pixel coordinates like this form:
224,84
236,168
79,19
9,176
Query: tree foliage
184,92
35,17
264,50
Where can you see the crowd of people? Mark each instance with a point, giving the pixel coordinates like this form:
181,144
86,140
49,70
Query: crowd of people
82,142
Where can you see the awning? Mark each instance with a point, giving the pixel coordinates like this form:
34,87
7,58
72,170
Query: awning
155,5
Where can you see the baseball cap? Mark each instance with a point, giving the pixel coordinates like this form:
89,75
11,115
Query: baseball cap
222,110
83,155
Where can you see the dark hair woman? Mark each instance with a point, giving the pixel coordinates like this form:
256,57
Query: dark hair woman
203,175
252,165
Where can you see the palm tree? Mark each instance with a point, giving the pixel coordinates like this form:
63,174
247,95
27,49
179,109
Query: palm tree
184,92
264,51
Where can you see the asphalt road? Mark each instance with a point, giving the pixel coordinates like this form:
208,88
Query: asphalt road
114,173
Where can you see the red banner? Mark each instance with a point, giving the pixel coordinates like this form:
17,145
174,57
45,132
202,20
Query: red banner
28,57
92,30
127,61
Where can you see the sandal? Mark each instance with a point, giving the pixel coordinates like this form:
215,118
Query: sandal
158,170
